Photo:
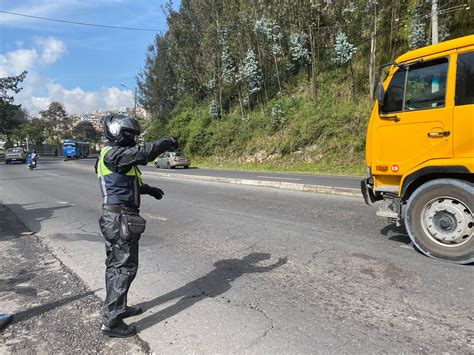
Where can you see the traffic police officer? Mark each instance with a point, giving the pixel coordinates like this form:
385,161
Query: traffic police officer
120,222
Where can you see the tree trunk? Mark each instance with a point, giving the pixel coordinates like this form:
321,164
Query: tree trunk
372,54
262,69
240,102
277,73
353,82
219,70
314,85
392,25
220,103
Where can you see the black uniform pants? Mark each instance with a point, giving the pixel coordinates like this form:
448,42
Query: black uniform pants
121,268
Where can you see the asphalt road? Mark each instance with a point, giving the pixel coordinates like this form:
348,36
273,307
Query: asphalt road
310,179
241,269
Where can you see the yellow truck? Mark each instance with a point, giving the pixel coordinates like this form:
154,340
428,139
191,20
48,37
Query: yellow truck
420,149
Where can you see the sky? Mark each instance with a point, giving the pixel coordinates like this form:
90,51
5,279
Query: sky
80,66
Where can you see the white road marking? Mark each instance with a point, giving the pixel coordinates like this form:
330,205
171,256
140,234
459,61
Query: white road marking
278,178
51,174
155,217
407,246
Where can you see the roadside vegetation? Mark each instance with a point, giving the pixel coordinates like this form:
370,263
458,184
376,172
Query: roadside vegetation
288,134
284,85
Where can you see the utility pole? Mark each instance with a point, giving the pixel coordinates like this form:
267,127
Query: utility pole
135,105
372,52
434,21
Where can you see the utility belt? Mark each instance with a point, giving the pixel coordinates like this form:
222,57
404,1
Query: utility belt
132,225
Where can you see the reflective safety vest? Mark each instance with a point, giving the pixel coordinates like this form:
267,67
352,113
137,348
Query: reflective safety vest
119,189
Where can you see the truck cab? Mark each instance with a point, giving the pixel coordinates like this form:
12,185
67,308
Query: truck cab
420,149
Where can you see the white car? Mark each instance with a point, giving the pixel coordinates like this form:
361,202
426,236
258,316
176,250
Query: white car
15,154
171,160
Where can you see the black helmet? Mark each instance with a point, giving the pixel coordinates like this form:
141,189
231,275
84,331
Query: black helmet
121,130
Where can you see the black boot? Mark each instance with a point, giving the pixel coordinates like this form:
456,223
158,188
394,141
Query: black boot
122,330
132,311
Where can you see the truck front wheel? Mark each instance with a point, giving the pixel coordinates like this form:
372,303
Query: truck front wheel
439,218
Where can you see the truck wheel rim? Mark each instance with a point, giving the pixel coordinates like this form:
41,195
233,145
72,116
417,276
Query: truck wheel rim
448,221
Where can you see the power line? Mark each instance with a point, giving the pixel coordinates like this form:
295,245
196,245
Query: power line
82,23
421,16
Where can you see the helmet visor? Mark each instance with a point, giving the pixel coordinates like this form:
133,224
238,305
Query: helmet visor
131,124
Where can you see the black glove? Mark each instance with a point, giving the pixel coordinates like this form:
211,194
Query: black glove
156,192
152,191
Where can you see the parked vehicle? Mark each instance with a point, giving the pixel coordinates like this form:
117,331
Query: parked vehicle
15,154
171,160
420,150
75,149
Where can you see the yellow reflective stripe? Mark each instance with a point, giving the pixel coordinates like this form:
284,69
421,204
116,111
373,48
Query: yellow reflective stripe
103,170
139,176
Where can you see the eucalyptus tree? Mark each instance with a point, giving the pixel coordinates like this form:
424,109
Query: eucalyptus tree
343,53
250,72
157,83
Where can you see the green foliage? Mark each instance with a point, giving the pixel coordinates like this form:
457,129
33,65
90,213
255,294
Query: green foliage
7,108
343,50
85,131
56,123
268,70
35,130
329,137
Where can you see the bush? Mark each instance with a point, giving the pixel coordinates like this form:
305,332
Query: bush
329,136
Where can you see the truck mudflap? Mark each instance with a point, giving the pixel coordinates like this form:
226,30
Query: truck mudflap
366,189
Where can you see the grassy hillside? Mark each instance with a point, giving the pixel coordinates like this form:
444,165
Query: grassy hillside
290,134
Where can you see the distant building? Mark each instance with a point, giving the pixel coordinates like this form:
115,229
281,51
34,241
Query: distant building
142,113
97,117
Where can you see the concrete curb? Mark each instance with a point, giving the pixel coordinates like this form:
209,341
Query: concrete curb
327,190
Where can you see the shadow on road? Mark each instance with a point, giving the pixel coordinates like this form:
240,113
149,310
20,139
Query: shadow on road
397,234
39,310
14,284
34,216
72,237
211,285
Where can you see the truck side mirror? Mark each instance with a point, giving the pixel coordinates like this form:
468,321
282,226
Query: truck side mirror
380,93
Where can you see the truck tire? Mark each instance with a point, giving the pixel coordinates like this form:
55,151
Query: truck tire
439,218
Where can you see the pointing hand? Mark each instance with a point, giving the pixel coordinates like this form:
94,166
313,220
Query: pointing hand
156,193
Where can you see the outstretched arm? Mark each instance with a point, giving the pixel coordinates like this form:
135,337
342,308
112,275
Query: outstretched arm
122,159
